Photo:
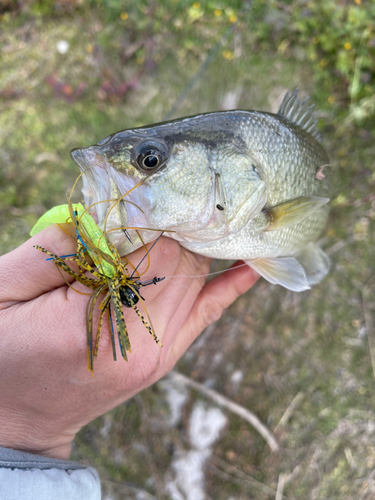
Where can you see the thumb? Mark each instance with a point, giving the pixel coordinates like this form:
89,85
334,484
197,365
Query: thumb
24,272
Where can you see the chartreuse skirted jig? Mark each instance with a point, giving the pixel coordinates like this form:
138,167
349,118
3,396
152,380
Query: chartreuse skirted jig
109,276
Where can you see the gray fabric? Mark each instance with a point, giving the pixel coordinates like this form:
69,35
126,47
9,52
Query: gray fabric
24,476
49,484
21,460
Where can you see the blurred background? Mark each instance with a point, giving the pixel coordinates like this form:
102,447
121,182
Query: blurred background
74,71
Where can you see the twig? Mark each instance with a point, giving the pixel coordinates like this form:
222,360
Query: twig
245,478
289,411
369,328
349,458
231,406
242,478
280,487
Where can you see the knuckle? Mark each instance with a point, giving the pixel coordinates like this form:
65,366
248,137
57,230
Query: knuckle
210,312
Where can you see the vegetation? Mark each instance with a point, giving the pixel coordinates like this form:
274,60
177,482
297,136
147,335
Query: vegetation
73,71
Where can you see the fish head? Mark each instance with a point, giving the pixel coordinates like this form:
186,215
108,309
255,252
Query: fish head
113,172
187,178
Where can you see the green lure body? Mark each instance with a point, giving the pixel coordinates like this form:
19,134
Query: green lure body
61,215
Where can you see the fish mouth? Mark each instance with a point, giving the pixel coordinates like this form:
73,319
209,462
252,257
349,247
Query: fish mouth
94,174
78,158
117,201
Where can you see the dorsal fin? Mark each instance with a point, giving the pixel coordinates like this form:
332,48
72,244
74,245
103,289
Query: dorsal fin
300,113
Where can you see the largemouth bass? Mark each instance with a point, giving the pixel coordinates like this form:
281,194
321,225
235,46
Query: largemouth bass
236,185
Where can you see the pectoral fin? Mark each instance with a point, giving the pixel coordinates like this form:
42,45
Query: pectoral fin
293,211
284,271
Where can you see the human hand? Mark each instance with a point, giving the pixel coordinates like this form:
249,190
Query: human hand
47,393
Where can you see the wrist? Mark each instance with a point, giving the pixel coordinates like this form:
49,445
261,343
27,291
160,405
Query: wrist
17,435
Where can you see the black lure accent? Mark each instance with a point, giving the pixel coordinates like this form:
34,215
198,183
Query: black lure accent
128,296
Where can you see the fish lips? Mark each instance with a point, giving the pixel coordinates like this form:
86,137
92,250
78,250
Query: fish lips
87,158
78,158
94,171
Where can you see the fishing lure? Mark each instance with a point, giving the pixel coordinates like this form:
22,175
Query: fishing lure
110,276
88,232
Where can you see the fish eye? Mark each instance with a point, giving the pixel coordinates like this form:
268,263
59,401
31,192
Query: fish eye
148,160
149,156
